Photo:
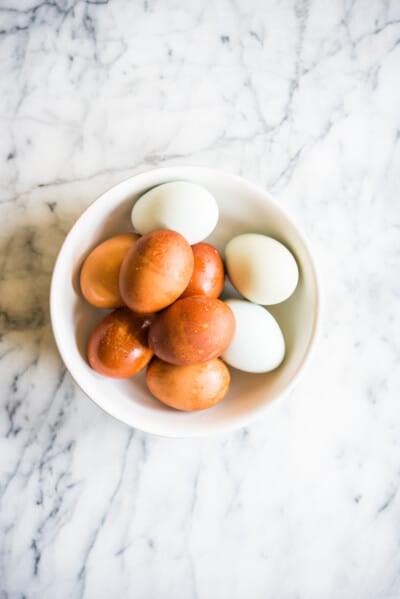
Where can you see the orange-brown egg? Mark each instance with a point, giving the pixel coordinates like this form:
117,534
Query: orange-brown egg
155,271
194,387
118,345
99,277
208,272
194,329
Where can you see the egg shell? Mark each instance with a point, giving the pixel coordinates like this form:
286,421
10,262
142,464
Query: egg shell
181,206
261,268
118,346
156,271
194,329
258,344
99,276
194,387
208,272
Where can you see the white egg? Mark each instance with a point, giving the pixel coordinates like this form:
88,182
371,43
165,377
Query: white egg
261,268
181,206
258,344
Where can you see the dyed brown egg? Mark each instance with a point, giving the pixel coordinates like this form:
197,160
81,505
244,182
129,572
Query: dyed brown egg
156,271
194,329
99,278
194,387
208,272
118,345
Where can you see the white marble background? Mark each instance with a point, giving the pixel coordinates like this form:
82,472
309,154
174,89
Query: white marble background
303,97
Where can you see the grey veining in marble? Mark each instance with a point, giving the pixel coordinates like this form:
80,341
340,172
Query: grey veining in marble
302,97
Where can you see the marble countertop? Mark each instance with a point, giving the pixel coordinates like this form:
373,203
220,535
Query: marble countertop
303,98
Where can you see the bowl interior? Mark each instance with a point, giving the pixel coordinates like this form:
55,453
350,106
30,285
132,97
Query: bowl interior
243,208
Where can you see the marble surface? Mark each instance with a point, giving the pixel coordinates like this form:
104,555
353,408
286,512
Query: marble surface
302,97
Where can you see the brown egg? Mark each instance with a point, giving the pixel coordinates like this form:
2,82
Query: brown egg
99,278
194,387
208,272
156,271
118,344
194,329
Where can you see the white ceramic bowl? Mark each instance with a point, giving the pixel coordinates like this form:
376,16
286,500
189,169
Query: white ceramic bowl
243,208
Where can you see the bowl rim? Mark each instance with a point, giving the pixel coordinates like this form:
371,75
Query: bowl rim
246,419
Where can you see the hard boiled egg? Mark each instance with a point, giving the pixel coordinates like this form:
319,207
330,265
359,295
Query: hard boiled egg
118,344
194,329
193,387
208,272
100,272
261,268
258,344
155,271
185,207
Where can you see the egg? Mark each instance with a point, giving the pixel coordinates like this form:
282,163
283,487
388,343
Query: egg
156,271
261,268
118,345
208,272
194,329
194,387
99,275
258,344
181,206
